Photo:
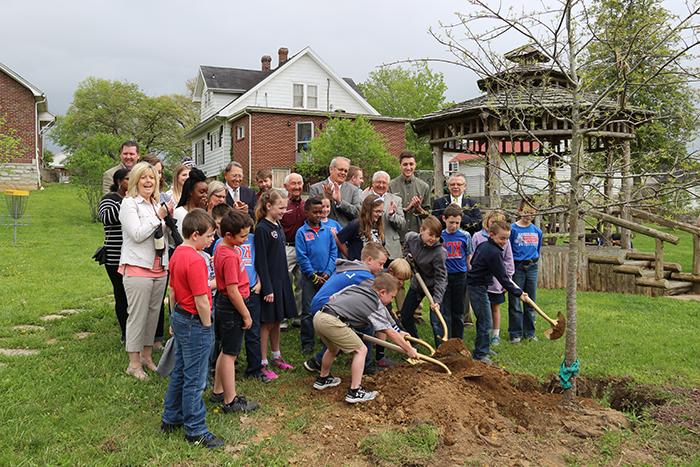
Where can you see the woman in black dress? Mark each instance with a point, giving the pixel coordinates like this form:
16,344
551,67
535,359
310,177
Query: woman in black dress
271,266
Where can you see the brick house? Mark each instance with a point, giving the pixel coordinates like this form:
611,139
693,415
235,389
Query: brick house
264,118
25,109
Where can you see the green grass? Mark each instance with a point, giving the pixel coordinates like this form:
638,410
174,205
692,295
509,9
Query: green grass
398,447
73,405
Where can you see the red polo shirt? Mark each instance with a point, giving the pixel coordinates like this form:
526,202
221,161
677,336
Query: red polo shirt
293,218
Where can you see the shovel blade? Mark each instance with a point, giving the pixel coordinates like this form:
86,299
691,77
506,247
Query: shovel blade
558,330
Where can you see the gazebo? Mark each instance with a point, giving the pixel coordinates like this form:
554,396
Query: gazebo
529,106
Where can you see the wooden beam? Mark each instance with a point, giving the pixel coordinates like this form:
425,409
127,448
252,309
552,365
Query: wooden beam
663,221
642,229
541,134
659,258
438,176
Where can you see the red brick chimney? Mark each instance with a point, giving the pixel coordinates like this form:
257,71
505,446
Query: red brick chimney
283,54
265,61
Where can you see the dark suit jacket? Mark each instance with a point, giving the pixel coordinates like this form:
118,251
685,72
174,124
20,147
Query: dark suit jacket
471,214
247,196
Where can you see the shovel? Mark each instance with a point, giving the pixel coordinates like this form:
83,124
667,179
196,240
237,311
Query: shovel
427,293
558,325
396,348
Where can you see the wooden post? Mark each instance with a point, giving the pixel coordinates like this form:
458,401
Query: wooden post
493,161
625,235
438,174
608,192
696,255
659,260
552,185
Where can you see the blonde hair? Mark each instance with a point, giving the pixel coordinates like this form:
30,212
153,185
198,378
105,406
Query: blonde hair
214,187
177,187
400,269
495,215
269,197
135,175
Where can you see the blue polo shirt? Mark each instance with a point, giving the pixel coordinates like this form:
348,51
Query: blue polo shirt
526,242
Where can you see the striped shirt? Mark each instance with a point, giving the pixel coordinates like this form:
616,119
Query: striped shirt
109,215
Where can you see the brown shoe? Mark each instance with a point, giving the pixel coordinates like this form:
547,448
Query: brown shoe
137,373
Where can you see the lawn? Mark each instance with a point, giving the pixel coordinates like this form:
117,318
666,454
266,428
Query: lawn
72,403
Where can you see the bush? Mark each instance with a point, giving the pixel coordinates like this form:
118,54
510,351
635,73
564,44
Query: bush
355,139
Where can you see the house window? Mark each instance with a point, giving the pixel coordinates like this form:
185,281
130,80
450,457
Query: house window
305,96
278,177
209,141
221,135
311,97
453,167
199,152
298,95
240,132
305,132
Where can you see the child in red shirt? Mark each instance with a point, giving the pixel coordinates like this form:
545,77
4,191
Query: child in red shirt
192,330
232,315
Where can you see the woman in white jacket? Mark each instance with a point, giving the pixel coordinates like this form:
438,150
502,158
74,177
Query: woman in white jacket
143,263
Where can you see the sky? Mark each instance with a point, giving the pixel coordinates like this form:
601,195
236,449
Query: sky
159,44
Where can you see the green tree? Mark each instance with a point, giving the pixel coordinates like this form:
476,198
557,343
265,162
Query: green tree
356,139
410,93
87,164
11,145
634,59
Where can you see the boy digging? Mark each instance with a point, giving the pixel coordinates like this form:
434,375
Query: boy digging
356,307
192,330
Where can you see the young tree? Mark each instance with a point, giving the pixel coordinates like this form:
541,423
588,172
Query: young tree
396,91
356,139
564,33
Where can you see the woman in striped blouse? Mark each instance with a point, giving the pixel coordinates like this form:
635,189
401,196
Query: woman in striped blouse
109,214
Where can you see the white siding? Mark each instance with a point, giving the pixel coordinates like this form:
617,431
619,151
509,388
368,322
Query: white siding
214,160
216,101
277,93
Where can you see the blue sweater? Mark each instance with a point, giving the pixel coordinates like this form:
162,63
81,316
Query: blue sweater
487,263
347,273
526,242
458,247
316,251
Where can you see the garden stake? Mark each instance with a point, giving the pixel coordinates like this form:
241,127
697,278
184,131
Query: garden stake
558,325
396,348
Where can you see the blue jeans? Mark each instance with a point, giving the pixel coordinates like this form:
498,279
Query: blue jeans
308,290
479,298
522,323
183,399
453,305
252,337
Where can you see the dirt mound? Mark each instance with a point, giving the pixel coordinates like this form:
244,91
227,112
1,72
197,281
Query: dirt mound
478,409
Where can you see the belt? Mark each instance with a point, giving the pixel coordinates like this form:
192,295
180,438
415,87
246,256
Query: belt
527,262
329,311
289,243
183,312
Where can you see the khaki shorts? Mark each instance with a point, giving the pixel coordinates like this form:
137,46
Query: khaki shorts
336,334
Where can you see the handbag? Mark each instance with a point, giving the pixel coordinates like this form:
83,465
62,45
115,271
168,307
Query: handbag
100,255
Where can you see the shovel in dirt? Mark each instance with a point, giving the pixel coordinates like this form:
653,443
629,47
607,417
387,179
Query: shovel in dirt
396,348
558,325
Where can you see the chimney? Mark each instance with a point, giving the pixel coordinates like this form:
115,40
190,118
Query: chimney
266,60
283,53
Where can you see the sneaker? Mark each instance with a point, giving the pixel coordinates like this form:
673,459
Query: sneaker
495,340
515,340
385,362
487,360
312,365
240,404
323,382
216,398
307,350
207,440
360,394
296,322
281,364
259,376
268,373
284,325
532,338
169,427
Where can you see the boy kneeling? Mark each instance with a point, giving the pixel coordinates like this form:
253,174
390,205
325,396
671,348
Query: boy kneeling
356,307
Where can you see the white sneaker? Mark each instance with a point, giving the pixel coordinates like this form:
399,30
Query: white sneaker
360,395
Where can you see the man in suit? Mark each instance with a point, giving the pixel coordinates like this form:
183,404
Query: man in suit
129,155
238,196
344,196
394,219
471,214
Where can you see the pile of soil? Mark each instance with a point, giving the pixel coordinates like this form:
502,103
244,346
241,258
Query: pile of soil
481,411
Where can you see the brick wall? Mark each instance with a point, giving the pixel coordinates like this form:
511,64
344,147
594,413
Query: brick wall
17,106
274,139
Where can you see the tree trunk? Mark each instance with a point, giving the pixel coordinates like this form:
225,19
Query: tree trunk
625,235
570,355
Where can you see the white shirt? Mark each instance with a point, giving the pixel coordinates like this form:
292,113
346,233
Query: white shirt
234,192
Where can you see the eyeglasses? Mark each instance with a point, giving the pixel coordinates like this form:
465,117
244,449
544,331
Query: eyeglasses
341,170
236,176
